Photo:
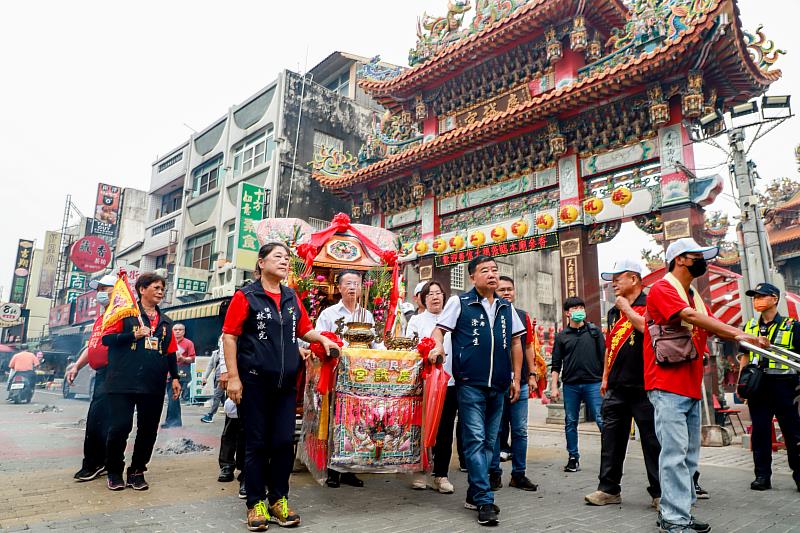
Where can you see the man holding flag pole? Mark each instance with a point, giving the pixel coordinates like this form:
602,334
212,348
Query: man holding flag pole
141,351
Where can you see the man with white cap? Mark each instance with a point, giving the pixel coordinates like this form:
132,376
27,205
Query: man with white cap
420,306
624,398
678,324
96,355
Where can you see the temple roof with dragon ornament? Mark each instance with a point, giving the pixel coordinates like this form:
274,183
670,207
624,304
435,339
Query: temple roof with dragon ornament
657,40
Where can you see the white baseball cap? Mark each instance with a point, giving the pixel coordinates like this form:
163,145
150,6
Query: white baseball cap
419,287
407,307
688,245
623,265
109,280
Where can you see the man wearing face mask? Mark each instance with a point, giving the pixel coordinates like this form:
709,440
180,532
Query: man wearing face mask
673,376
96,355
775,395
578,353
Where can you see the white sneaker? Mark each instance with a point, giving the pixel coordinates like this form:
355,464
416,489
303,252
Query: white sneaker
419,483
504,456
443,485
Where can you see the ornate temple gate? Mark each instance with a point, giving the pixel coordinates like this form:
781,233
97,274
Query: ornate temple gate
546,124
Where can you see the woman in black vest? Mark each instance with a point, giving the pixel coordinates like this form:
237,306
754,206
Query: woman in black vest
139,357
262,325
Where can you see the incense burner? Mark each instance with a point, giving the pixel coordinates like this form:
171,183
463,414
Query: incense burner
359,334
401,343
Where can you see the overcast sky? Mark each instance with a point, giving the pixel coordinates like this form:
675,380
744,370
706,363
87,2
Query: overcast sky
96,91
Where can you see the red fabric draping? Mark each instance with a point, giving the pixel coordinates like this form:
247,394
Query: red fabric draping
328,371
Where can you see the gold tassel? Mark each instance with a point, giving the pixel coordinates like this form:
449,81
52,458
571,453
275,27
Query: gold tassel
324,412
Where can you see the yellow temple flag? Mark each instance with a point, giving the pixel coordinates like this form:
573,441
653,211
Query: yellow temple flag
122,303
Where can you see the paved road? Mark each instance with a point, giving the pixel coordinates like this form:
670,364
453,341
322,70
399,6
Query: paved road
40,451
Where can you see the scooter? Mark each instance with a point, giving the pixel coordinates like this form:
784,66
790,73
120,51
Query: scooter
21,389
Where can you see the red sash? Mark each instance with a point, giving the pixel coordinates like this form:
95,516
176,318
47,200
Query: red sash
619,334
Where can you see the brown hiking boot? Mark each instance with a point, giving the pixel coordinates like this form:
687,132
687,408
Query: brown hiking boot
258,517
599,497
282,514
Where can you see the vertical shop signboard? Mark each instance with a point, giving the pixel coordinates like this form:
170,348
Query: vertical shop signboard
251,211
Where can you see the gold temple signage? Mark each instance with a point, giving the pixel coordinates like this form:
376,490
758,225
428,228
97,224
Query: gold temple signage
677,229
571,273
570,247
489,108
511,247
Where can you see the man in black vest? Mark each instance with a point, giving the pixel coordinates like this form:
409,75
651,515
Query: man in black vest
487,363
515,415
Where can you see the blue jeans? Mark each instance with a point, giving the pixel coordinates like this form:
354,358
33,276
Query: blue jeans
518,416
574,393
480,410
678,431
173,418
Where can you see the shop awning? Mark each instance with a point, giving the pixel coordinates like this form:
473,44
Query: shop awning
199,310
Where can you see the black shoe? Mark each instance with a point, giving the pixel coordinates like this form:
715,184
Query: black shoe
472,506
242,491
334,479
348,478
496,480
698,526
523,483
115,482
88,474
665,526
225,474
487,516
700,492
761,483
797,482
573,465
136,480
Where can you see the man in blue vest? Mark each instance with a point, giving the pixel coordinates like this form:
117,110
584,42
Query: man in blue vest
487,365
775,396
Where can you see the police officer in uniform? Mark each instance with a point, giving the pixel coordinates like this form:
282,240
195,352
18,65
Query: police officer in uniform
775,395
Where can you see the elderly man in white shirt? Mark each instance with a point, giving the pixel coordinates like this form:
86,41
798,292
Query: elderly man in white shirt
350,283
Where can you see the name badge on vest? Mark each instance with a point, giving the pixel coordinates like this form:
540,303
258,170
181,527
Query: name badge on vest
151,343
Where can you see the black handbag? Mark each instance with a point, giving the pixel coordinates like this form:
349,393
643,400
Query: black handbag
750,379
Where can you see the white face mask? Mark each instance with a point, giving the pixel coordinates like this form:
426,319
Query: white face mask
102,299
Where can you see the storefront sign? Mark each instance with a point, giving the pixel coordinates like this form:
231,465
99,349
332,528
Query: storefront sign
192,285
251,210
10,314
571,274
72,295
511,247
90,254
106,212
47,276
77,281
86,307
22,270
60,315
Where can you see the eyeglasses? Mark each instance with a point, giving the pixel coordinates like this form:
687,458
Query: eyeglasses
349,284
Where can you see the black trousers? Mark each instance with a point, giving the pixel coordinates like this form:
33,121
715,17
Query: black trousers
94,440
231,447
443,449
268,415
620,406
775,398
148,413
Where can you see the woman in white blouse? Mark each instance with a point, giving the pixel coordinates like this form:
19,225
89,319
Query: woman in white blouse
432,298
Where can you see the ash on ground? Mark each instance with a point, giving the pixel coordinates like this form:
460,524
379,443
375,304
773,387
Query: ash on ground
182,446
46,409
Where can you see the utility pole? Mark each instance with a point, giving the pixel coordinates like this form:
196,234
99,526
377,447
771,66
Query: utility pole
755,257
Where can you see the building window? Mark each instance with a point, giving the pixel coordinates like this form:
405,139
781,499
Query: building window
253,152
340,84
230,239
457,277
328,141
206,177
164,165
161,228
199,250
161,261
170,202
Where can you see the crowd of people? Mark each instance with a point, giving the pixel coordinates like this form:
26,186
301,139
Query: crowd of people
647,368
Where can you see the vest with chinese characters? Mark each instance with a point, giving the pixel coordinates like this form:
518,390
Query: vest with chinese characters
267,347
482,351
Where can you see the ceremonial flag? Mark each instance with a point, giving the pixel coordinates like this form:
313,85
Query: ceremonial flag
122,302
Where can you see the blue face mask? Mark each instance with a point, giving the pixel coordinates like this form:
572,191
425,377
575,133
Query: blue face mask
102,298
578,315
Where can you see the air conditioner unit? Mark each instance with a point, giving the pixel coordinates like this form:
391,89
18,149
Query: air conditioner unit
222,268
222,291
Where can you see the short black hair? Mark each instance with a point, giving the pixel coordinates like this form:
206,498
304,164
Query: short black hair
267,249
426,290
146,279
509,279
573,301
473,265
343,273
671,265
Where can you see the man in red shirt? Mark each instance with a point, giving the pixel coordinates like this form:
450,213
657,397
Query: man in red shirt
185,357
674,388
